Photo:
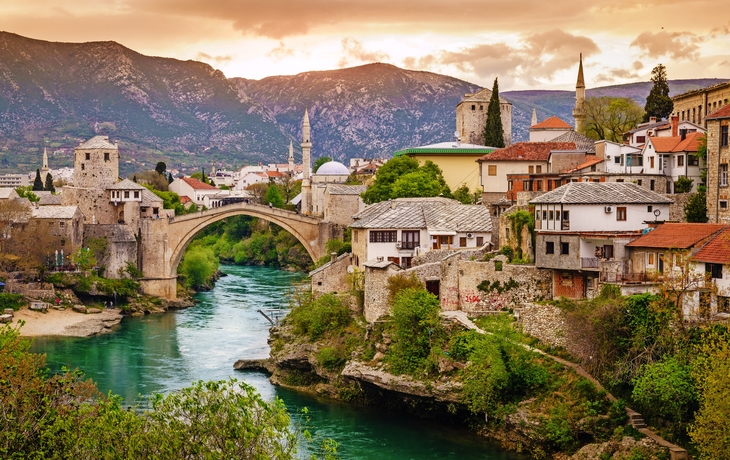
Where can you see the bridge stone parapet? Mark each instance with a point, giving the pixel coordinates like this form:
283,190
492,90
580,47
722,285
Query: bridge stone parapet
163,241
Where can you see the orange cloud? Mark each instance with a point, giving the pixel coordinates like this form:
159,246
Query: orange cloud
354,51
677,45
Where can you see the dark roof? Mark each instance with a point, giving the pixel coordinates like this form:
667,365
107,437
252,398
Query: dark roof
581,142
527,151
601,193
676,235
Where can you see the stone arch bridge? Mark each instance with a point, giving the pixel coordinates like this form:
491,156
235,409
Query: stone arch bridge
162,242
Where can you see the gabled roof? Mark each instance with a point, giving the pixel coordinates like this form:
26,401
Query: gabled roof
126,184
527,151
98,142
50,200
601,193
185,199
150,199
590,161
676,235
482,96
551,123
717,250
723,112
339,189
676,144
196,184
8,192
581,142
54,212
425,213
645,126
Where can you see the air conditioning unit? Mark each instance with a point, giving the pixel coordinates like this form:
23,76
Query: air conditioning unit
397,245
470,235
608,209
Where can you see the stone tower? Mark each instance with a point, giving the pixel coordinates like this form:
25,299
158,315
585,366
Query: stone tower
471,117
45,169
579,112
96,165
534,117
291,157
306,203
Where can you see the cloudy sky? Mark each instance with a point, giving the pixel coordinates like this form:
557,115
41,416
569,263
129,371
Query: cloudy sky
528,44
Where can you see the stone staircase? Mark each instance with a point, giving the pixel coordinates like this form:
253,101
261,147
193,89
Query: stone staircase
636,419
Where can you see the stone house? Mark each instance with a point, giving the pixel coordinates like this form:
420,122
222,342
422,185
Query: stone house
457,161
398,230
64,223
718,158
471,117
341,202
582,229
520,158
695,105
674,156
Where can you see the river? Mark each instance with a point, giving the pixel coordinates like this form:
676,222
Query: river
163,353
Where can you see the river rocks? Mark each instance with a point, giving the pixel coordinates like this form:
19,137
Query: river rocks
177,303
9,311
627,448
79,308
93,311
39,306
253,364
100,323
6,318
442,392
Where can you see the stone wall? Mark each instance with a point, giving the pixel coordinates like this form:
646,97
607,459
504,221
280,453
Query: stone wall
507,286
332,277
426,272
31,290
546,322
121,247
440,254
693,106
339,208
676,209
376,302
716,156
93,202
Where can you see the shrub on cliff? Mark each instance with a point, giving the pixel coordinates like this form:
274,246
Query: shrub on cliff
325,314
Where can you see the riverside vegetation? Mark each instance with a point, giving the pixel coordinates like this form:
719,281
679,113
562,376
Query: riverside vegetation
489,382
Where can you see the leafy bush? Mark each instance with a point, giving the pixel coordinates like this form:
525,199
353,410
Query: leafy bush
324,314
14,301
331,358
402,281
666,388
197,266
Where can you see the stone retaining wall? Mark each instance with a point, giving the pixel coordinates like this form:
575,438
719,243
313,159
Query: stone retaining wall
31,290
546,322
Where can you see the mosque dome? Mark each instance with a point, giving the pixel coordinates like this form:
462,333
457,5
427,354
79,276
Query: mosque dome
333,168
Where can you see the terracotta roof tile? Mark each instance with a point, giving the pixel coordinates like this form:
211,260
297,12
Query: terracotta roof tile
717,250
527,151
724,112
196,184
590,161
676,235
676,143
552,123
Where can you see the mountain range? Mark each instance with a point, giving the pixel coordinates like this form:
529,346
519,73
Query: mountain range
190,115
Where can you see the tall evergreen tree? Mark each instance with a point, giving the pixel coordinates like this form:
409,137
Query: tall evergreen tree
38,182
493,131
49,184
658,102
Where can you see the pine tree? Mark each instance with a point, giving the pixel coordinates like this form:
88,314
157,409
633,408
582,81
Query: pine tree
49,184
658,102
38,182
493,131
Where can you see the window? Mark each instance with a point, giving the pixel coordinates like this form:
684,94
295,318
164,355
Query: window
680,160
723,136
537,215
538,186
61,224
526,185
566,216
564,248
410,239
619,180
462,241
649,208
549,247
83,167
480,241
136,193
715,270
651,184
492,170
509,185
126,194
640,139
651,161
538,169
473,107
481,107
531,169
608,251
650,259
550,215
355,234
63,242
620,213
106,156
723,204
693,160
406,262
723,175
617,159
557,215
383,236
544,215
88,156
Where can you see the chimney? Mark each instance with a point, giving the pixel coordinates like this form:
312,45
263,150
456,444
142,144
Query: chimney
652,119
392,204
675,125
333,257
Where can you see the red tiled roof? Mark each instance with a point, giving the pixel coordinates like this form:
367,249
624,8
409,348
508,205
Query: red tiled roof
274,174
723,112
676,235
552,123
676,144
196,184
717,250
527,151
590,161
185,199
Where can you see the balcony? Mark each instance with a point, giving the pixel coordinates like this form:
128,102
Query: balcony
626,278
590,262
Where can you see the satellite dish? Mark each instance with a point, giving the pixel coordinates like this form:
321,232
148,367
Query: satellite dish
350,269
456,133
657,212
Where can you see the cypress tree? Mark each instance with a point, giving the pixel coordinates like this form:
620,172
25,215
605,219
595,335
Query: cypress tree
38,182
493,131
49,184
658,102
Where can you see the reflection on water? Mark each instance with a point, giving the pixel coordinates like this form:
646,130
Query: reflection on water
162,353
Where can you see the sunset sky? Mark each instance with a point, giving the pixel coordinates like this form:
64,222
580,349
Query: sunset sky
528,44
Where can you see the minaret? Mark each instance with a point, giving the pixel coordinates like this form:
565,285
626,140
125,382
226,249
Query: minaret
306,166
579,112
291,157
534,117
45,169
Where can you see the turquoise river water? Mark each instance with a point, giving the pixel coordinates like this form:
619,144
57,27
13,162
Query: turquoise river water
163,353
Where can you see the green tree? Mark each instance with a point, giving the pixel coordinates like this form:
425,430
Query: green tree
391,171
402,177
416,184
38,182
695,210
49,184
464,195
666,388
493,131
161,167
197,266
683,185
25,191
610,117
319,162
658,102
85,258
273,197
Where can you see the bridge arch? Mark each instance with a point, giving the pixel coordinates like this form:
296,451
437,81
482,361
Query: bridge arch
310,231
